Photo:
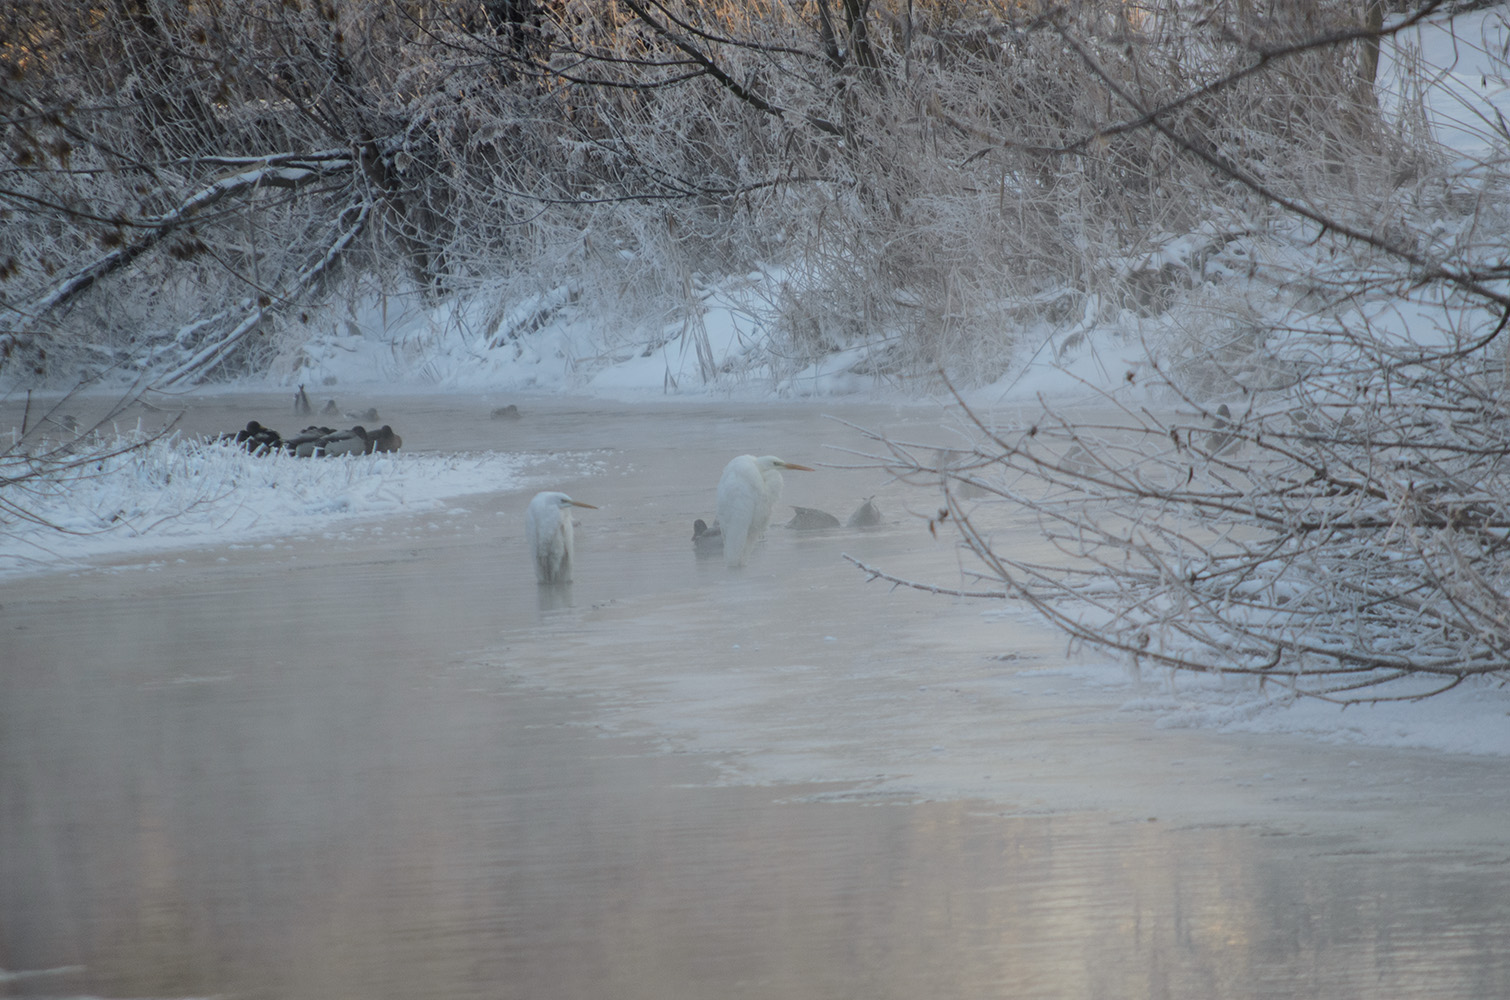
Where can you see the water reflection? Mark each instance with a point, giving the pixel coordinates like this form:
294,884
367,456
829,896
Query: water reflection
554,596
462,839
333,796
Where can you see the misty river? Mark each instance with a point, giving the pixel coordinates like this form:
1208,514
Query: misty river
381,761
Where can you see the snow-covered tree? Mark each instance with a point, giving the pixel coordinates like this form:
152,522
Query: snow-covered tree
1316,492
938,183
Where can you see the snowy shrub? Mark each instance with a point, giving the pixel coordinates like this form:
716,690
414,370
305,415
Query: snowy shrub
1318,499
1344,535
191,189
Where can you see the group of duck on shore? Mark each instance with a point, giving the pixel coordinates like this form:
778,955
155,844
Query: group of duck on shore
318,441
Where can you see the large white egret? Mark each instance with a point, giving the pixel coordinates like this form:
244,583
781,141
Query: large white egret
547,527
747,494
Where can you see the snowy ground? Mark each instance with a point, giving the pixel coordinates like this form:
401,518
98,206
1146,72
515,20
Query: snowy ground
179,492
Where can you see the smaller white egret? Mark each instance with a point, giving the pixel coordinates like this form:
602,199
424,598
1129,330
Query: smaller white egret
747,493
547,527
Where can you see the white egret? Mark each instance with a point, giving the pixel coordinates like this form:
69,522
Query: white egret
747,494
547,527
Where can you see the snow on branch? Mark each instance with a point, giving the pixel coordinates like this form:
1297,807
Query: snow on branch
354,220
1347,541
55,448
287,171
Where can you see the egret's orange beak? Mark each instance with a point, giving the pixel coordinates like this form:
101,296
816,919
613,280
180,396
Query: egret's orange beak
579,503
797,468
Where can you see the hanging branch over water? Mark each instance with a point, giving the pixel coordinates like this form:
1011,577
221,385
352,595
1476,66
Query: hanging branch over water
1350,541
287,172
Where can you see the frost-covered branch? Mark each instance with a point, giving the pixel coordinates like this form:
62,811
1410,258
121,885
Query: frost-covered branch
52,446
1320,501
935,185
1427,268
354,221
286,171
1349,539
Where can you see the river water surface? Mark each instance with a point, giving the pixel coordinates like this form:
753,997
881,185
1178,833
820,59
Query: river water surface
382,762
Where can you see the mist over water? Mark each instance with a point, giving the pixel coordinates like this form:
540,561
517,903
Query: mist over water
384,762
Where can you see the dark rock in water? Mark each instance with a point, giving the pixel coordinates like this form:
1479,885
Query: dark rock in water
370,415
811,519
867,515
383,440
301,402
707,541
510,412
329,408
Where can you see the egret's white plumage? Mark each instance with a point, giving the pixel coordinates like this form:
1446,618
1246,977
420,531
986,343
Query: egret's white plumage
548,528
747,493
